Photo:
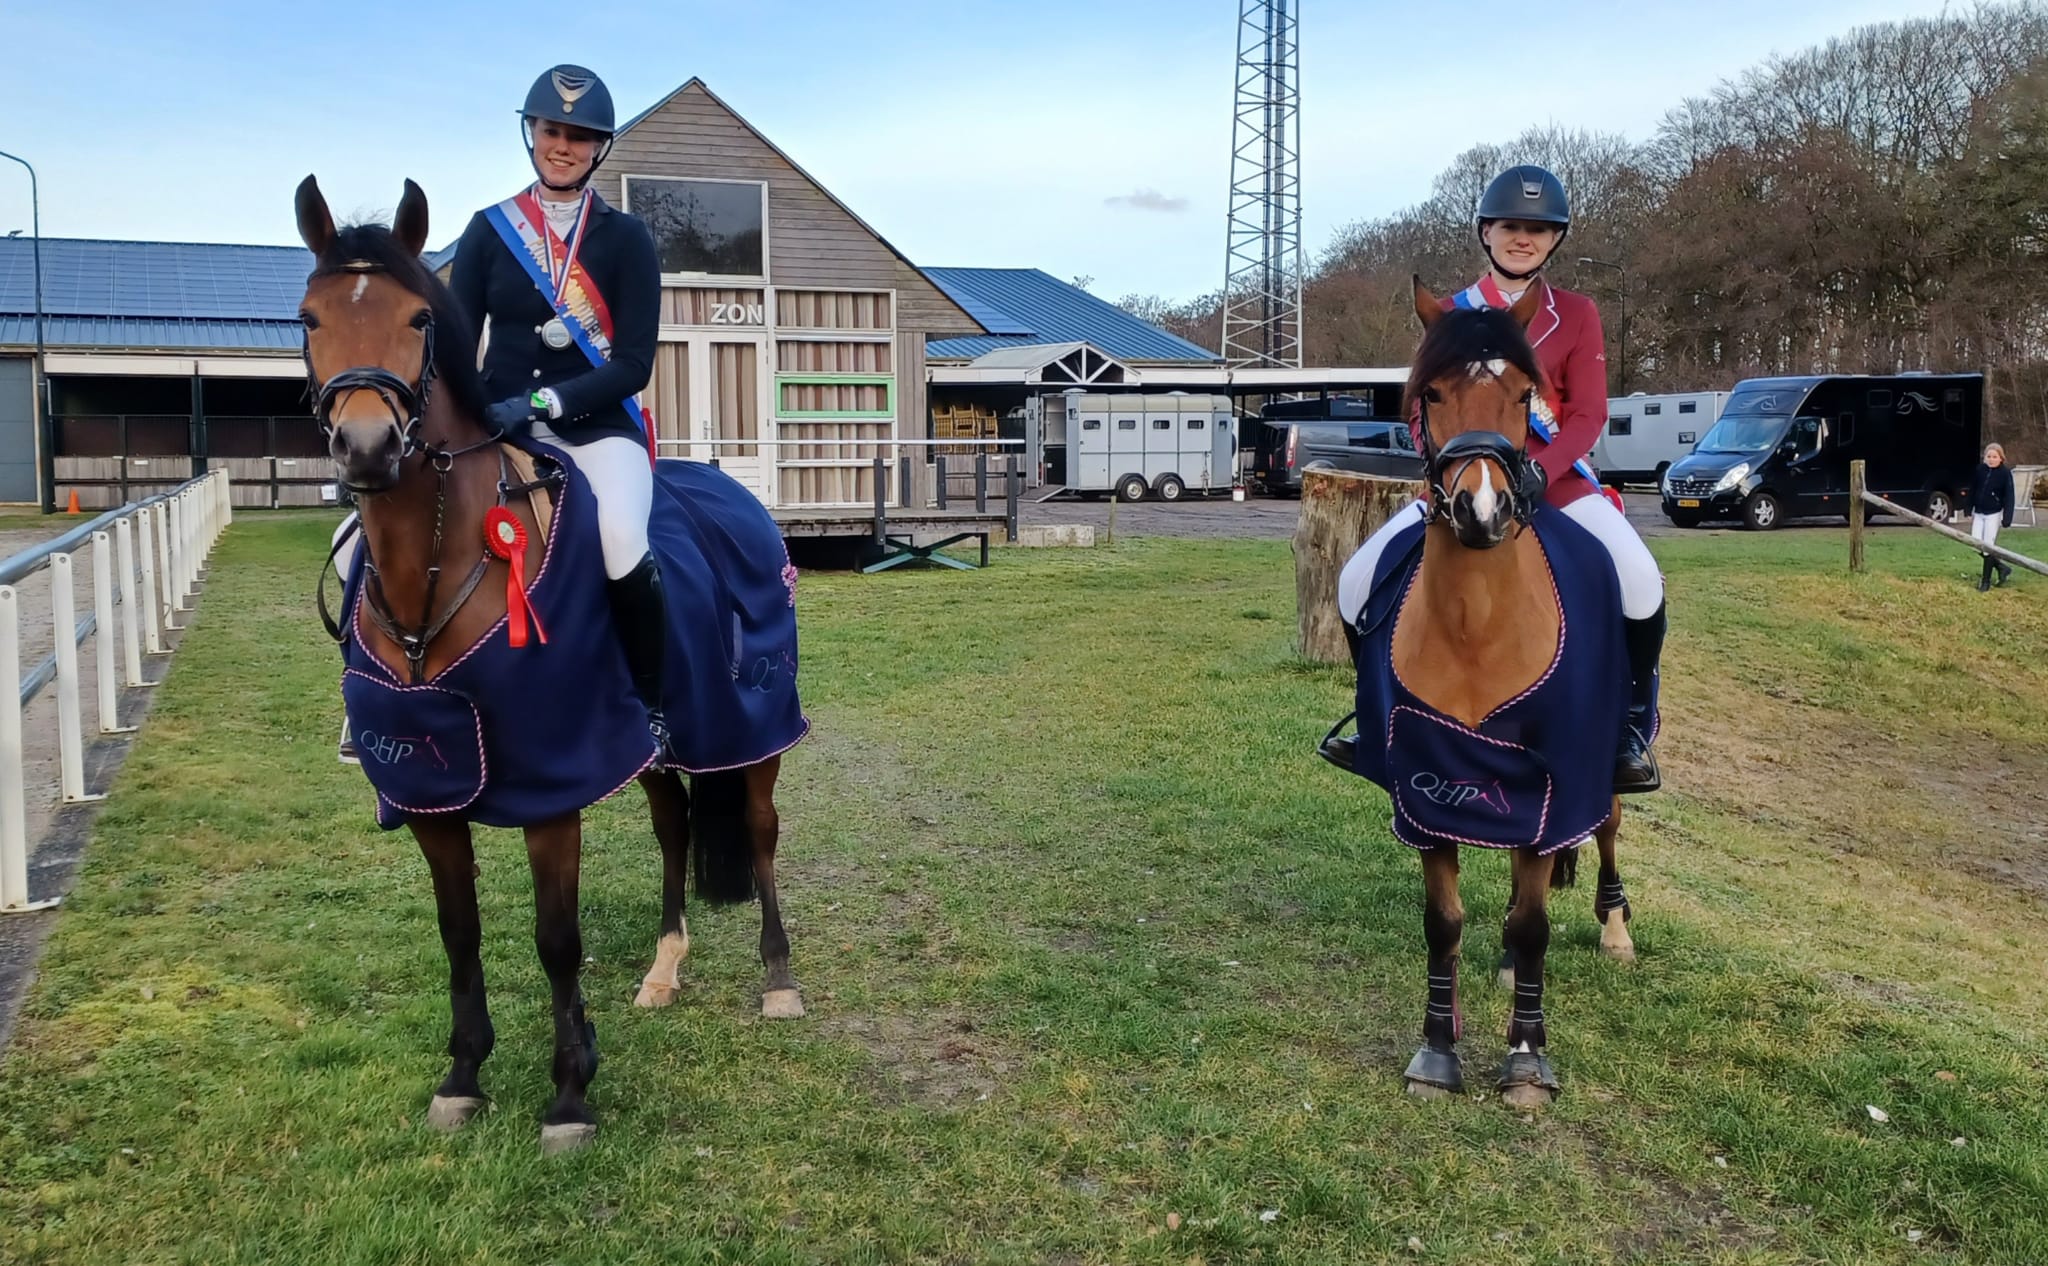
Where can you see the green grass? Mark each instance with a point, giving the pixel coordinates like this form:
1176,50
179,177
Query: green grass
1091,942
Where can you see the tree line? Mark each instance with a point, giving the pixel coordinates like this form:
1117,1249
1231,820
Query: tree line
1875,204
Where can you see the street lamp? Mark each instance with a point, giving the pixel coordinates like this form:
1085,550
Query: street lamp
1601,263
45,434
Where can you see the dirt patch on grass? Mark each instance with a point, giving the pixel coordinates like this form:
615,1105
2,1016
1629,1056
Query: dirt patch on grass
937,1060
1961,800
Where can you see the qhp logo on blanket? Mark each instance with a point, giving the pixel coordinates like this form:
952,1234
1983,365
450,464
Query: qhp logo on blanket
1456,793
388,749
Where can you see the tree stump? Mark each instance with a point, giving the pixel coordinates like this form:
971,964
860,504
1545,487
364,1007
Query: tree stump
1339,509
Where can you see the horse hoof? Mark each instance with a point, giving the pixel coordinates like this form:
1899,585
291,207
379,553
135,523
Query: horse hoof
1423,1090
782,1004
450,1113
573,1137
1619,951
1615,941
1528,1098
653,995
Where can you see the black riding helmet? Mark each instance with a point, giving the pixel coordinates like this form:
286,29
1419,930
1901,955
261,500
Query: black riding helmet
1528,193
571,95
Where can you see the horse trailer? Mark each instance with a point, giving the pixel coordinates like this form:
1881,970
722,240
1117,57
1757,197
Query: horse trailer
1645,434
1164,445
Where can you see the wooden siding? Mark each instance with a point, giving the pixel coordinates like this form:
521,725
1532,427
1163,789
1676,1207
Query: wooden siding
813,242
684,306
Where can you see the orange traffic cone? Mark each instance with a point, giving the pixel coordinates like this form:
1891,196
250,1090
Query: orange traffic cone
72,508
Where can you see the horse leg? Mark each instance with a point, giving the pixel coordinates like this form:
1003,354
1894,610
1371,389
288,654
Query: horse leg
1526,1079
1610,904
669,805
1505,974
1436,1071
555,852
452,862
780,998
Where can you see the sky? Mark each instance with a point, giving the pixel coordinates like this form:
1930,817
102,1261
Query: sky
1090,138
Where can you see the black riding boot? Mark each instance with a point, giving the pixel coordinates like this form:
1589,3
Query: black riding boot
641,616
1635,767
1984,585
2004,574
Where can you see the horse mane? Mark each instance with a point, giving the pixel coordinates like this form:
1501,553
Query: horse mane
1463,337
454,340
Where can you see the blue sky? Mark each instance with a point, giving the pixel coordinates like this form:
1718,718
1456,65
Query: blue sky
968,133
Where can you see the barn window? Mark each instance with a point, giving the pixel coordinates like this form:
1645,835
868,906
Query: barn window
704,228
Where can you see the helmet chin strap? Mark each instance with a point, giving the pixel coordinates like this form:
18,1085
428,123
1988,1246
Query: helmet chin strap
1510,273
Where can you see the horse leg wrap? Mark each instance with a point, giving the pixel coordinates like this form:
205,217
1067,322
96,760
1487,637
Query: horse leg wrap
1528,1068
1612,896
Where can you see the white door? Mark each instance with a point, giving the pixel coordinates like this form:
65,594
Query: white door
712,392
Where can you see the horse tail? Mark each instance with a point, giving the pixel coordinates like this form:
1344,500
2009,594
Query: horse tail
719,837
1564,872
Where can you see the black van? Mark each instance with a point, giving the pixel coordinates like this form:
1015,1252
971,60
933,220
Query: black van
1782,448
1343,434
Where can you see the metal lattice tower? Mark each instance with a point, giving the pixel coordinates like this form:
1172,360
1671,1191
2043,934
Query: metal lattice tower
1262,264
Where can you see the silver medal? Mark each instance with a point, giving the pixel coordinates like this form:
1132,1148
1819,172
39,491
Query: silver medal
555,333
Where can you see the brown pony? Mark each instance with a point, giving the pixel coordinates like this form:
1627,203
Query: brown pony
1479,628
381,333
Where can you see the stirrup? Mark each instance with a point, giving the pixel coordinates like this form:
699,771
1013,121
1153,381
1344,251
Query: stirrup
345,750
1340,751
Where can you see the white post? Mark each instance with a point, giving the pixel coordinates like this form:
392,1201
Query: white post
13,802
227,501
163,571
70,740
152,615
176,585
104,634
131,646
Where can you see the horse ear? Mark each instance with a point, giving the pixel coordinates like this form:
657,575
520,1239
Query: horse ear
1525,307
316,224
411,226
1428,308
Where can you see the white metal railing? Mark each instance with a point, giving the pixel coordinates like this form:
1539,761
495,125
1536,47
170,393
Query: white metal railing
177,530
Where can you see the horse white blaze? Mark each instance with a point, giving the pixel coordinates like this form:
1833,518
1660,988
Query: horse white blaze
362,284
1483,500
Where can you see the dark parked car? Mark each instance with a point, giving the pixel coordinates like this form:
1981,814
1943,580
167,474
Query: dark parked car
1285,447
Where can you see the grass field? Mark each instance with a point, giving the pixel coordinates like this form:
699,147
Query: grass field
1102,964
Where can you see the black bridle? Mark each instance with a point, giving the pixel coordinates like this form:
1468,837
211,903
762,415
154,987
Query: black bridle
407,402
1524,478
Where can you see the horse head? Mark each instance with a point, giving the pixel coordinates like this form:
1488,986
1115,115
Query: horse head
1473,384
380,330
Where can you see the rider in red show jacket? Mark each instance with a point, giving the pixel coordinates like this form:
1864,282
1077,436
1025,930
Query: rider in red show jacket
1521,221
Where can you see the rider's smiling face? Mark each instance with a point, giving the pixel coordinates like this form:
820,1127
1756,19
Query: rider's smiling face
1520,245
563,152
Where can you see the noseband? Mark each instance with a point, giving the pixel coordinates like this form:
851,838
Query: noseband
1525,479
407,401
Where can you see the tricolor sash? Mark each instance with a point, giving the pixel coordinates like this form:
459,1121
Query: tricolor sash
558,273
1486,293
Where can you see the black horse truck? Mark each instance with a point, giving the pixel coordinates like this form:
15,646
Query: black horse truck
1782,448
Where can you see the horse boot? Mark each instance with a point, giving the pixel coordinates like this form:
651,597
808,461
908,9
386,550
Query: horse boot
640,613
1635,766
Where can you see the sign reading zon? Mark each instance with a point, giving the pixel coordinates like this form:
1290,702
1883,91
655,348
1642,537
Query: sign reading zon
738,314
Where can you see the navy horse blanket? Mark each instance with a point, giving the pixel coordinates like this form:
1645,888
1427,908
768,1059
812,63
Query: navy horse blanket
1538,771
514,736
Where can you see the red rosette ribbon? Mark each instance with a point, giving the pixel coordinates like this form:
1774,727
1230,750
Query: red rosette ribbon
505,536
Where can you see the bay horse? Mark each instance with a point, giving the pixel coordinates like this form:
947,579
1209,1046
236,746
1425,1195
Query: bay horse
1492,683
380,333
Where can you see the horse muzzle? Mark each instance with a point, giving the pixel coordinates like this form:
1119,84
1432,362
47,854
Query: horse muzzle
366,455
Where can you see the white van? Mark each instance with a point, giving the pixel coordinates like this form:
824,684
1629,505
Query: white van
1645,434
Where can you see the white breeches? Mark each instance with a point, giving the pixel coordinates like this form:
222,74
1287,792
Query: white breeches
1642,585
1985,527
622,482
